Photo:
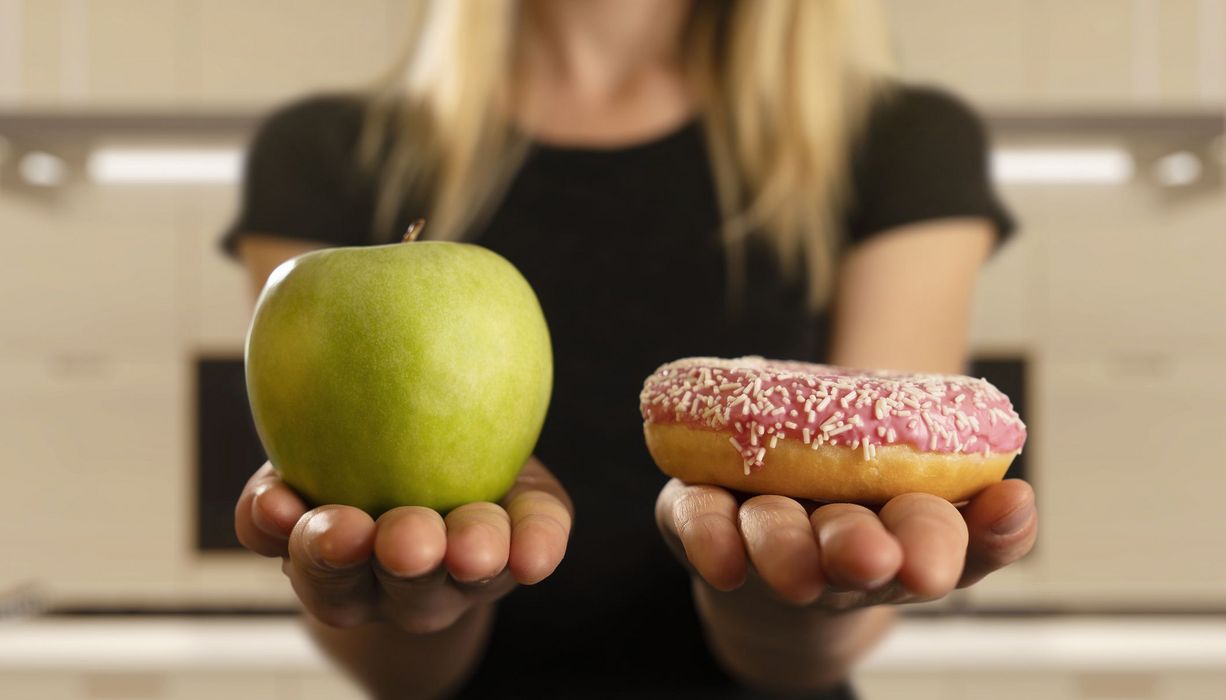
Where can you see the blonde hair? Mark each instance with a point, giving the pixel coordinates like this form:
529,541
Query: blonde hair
785,87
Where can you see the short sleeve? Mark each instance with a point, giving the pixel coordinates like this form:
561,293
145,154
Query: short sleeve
302,178
923,156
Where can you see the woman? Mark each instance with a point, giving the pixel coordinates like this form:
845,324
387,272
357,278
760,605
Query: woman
674,178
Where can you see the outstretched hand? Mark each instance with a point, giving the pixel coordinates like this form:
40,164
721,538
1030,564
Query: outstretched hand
412,566
842,556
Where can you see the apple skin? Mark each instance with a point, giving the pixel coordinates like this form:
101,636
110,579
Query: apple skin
408,374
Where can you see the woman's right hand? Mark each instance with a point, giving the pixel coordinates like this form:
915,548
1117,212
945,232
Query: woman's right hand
411,567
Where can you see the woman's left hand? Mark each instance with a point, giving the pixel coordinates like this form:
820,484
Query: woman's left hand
842,556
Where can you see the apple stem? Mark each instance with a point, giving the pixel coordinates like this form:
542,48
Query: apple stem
413,231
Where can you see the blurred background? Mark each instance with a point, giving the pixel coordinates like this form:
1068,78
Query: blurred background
124,437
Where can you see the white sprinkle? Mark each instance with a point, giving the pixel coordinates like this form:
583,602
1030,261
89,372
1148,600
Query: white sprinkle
791,425
740,428
753,438
868,450
881,431
891,436
805,434
734,443
761,429
774,441
855,443
837,417
761,454
825,402
842,428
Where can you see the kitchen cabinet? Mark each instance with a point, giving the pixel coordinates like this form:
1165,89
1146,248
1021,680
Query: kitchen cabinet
195,53
263,52
98,453
1121,272
41,62
1002,315
84,277
1052,55
1126,481
91,458
122,51
981,48
1084,52
218,298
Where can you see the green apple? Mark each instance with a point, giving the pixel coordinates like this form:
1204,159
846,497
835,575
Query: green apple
410,374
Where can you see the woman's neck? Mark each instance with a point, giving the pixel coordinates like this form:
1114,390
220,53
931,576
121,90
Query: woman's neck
602,71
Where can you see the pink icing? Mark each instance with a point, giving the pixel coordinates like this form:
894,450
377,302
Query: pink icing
763,402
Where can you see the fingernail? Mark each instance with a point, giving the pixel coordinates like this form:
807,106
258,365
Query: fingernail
265,519
265,523
324,561
879,583
321,549
1013,522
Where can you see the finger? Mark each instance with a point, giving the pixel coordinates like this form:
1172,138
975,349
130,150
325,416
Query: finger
857,552
933,538
540,528
536,477
781,545
541,515
266,513
329,564
410,543
703,519
1003,523
478,542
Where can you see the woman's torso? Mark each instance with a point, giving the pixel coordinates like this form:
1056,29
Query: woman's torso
624,250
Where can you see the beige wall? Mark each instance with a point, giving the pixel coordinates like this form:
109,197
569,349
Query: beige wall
109,293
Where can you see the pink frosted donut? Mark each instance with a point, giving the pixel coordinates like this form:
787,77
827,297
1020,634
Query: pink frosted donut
827,433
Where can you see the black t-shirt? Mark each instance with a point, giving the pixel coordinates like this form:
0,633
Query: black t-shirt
623,249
